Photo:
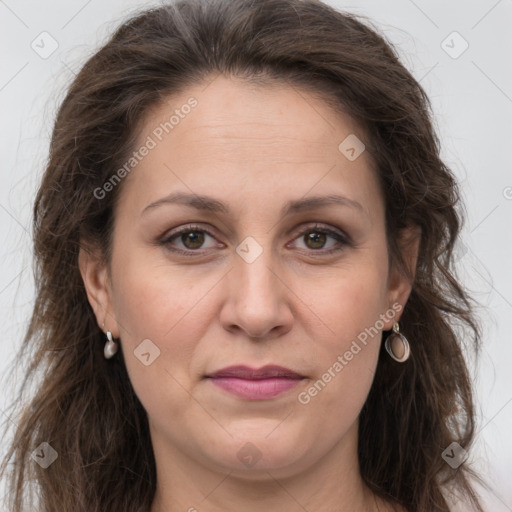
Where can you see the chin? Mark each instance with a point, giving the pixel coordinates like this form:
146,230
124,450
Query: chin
253,454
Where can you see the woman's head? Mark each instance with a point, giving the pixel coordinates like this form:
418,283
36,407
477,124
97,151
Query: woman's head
291,143
257,291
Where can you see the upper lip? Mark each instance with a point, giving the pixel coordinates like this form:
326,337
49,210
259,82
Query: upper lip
265,372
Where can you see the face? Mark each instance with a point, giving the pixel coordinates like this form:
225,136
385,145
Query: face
247,237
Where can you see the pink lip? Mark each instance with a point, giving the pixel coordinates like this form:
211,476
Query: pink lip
255,384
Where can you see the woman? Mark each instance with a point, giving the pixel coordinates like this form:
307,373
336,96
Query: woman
245,297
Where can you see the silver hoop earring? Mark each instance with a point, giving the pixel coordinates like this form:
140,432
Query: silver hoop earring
397,345
110,346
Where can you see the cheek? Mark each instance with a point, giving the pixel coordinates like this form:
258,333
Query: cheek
349,300
347,354
154,302
153,297
158,320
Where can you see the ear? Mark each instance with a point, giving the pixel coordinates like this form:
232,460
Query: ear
400,281
98,287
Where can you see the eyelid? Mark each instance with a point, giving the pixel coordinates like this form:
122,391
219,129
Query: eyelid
323,228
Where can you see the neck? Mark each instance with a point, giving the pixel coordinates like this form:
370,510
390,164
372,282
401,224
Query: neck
330,484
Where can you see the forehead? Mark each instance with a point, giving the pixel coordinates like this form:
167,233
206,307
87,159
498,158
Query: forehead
233,109
228,134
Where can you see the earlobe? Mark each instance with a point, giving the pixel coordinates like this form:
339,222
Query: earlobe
96,281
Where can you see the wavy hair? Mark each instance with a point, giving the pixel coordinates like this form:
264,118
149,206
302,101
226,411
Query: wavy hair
84,406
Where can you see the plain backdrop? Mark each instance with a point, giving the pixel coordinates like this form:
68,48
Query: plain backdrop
459,50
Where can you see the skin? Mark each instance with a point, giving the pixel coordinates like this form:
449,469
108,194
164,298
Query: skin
253,148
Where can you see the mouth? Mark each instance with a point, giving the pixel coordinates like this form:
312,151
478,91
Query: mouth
255,384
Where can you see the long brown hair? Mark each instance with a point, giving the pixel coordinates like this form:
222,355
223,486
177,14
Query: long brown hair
84,406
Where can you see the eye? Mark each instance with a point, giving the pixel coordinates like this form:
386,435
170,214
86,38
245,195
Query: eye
316,237
190,237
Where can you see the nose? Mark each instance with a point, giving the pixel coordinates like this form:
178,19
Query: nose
257,302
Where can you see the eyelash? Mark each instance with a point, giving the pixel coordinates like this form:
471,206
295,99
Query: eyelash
190,228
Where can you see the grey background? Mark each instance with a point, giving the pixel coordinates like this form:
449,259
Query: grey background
472,100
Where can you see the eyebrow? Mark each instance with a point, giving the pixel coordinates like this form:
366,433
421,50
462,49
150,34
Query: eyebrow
206,203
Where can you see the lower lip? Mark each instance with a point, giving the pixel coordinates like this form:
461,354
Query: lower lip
255,389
